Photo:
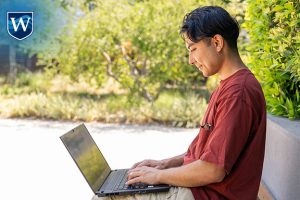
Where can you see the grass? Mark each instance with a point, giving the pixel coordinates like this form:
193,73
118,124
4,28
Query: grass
37,96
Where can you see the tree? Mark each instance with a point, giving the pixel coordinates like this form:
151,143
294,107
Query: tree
137,44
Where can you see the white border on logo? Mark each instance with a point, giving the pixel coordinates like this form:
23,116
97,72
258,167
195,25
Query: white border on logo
7,25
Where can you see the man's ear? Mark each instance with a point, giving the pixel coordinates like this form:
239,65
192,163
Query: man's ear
218,42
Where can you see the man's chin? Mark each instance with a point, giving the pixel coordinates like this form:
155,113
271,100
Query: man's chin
204,73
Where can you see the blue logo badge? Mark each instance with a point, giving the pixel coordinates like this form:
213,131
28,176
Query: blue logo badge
20,24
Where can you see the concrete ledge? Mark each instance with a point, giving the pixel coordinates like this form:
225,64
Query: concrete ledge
281,172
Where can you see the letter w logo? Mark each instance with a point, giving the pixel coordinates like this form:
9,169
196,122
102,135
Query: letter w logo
16,27
20,24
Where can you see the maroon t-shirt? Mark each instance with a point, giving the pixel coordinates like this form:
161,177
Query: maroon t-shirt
235,140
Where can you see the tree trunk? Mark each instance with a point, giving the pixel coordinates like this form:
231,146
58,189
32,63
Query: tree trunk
12,65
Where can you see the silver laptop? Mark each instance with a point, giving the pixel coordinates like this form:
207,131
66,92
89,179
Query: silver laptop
93,166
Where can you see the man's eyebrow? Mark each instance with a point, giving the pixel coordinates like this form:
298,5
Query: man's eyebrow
190,45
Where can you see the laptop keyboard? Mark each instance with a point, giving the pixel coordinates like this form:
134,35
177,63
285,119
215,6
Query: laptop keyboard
121,179
121,185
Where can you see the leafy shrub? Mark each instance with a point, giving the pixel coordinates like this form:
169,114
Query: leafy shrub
180,110
171,108
273,27
135,42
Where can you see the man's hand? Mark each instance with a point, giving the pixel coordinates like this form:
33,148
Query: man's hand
158,164
148,175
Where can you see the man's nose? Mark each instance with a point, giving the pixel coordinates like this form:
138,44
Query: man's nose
191,60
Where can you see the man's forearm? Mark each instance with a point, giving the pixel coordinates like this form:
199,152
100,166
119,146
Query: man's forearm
174,161
195,174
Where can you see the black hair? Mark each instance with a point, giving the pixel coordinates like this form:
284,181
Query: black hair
208,21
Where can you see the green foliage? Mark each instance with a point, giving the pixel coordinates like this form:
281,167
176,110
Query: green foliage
26,83
59,98
180,110
273,27
171,108
135,42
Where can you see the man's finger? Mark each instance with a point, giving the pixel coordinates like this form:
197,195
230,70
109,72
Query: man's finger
132,170
134,180
133,174
142,164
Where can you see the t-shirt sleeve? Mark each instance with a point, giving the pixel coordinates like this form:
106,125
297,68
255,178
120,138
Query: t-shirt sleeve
231,129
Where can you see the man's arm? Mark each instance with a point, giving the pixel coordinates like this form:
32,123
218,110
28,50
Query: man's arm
195,174
175,161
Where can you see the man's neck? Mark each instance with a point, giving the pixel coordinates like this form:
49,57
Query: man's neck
231,64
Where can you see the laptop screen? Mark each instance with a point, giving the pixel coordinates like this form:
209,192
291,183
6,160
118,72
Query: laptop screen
87,156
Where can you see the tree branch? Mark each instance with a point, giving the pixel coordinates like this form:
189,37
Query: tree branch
108,67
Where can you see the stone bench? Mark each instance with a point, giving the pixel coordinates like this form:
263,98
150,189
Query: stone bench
281,171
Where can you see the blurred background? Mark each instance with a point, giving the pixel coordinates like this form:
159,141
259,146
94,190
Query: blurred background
125,61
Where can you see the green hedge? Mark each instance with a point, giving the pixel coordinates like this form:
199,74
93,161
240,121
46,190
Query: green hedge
273,27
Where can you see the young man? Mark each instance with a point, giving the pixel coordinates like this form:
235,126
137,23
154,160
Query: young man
225,160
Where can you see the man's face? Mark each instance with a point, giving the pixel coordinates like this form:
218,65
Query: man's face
204,56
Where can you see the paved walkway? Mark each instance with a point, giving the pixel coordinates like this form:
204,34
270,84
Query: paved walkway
34,162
